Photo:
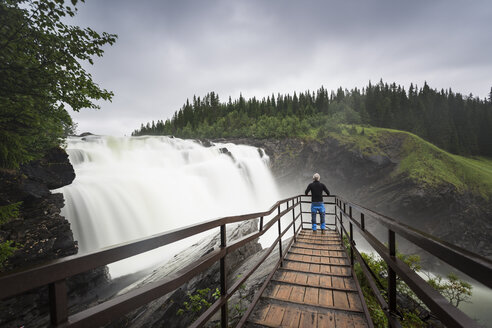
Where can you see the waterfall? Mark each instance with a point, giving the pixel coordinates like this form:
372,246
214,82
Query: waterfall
131,187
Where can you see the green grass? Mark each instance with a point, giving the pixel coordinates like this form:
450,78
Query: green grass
421,161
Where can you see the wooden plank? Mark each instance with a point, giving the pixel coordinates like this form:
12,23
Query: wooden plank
338,282
295,257
297,294
281,274
308,319
339,270
354,301
319,242
340,300
283,292
349,284
274,290
359,322
335,260
314,268
291,317
325,269
275,315
301,278
304,267
336,270
313,275
325,281
326,320
326,297
289,276
311,296
343,320
334,247
313,280
292,265
261,313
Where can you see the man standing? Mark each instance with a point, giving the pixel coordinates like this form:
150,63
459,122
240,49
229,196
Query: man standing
316,188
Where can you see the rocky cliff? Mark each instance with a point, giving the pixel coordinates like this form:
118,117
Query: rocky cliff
372,180
39,233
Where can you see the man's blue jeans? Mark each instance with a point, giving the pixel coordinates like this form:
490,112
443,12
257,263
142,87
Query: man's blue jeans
315,208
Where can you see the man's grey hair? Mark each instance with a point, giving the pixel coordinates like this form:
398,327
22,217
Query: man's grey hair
316,177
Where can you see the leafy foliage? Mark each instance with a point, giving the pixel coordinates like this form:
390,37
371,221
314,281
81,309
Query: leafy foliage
198,302
41,73
6,250
457,123
240,307
8,212
453,288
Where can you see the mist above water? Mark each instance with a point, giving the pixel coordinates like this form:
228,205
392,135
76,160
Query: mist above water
131,187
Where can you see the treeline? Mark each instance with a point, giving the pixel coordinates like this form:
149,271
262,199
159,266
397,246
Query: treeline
457,123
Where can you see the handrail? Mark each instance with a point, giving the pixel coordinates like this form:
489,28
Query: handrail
54,273
40,275
475,266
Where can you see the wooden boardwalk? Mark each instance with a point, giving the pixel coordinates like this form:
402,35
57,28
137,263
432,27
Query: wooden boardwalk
313,288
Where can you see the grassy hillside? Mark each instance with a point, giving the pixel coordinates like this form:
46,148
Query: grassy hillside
420,160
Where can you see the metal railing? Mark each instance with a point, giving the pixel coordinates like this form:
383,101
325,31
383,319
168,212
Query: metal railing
473,265
54,274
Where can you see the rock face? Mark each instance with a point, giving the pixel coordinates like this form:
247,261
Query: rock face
40,229
461,219
40,233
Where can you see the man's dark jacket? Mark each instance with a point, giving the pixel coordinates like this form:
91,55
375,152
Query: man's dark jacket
316,189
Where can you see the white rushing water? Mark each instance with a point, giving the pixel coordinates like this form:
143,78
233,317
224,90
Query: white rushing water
131,187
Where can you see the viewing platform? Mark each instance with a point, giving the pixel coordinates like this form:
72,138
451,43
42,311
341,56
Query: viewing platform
314,287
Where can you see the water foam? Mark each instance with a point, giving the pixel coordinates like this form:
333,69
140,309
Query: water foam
131,187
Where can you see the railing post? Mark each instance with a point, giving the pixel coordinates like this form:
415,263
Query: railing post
280,240
391,274
351,238
336,216
341,228
261,223
300,209
223,279
362,222
294,220
58,302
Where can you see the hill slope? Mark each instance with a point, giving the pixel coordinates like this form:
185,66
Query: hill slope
420,161
397,174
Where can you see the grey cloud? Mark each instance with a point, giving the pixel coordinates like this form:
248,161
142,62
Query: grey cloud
168,51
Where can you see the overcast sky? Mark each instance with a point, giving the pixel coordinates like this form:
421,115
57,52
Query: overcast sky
168,51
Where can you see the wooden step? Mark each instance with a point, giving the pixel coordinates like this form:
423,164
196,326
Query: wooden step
314,280
293,315
330,270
